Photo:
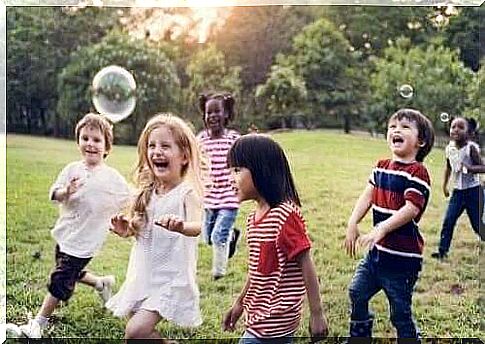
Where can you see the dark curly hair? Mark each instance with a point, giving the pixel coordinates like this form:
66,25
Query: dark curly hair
227,102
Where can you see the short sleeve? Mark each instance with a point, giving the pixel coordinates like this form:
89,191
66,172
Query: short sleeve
293,238
61,181
193,207
418,188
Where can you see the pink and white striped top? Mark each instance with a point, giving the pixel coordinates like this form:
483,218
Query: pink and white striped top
221,194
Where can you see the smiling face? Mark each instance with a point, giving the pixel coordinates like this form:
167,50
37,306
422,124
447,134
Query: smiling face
458,130
91,144
402,138
244,184
215,117
165,157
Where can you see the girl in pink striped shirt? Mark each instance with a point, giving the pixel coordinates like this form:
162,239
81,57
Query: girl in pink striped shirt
220,200
281,270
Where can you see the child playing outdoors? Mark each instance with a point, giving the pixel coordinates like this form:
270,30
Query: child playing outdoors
280,264
165,220
398,192
463,161
220,200
89,193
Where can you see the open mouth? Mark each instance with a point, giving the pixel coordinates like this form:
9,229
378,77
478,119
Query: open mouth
160,165
397,139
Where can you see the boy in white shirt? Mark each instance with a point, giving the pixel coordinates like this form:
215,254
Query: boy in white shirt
89,193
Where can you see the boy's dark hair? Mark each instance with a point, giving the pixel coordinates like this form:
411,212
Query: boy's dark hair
227,102
425,130
268,165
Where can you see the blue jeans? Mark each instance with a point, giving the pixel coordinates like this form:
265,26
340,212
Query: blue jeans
249,338
218,225
398,285
470,200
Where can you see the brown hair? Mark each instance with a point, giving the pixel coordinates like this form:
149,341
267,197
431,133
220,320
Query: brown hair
100,122
425,130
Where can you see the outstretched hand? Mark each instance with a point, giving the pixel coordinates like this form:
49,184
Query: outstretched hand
120,225
172,223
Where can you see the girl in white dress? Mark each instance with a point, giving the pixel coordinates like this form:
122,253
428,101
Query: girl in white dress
165,219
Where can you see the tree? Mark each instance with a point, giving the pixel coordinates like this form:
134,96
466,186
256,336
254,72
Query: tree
158,87
207,71
322,57
438,78
40,41
475,95
283,93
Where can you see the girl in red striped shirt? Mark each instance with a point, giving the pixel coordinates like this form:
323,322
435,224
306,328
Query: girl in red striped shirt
281,270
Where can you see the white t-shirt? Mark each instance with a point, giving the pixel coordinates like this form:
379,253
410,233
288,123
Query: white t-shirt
85,216
457,157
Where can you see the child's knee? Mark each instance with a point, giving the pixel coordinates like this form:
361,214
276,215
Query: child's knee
137,331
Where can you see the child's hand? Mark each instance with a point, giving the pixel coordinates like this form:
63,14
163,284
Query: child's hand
350,239
370,239
231,317
119,225
73,185
446,192
318,328
172,223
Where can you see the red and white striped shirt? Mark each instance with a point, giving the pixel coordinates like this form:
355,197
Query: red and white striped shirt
276,291
221,194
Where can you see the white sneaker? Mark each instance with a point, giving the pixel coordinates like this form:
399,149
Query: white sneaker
107,290
31,330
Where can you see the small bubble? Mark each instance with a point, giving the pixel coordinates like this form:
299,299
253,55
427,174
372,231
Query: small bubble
406,91
444,117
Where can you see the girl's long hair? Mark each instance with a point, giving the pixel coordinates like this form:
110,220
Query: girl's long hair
268,165
144,177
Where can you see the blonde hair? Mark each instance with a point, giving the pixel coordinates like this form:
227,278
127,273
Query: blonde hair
100,122
193,171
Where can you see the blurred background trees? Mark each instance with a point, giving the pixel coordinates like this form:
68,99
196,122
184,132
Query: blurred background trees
288,66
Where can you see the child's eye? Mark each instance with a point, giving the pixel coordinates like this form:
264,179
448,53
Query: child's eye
151,145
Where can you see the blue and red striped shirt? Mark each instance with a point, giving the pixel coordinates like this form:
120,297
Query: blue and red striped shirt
395,183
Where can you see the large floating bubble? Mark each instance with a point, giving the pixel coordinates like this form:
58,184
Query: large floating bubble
114,93
406,91
444,117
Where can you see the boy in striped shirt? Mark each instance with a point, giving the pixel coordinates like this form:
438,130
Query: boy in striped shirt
398,192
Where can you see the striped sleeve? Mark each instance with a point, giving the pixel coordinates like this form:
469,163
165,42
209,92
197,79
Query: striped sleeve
418,188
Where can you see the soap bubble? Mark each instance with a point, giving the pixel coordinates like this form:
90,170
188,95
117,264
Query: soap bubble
114,93
444,117
406,91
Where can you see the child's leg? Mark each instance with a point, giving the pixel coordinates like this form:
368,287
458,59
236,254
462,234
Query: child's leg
399,288
208,225
142,325
220,240
473,204
104,285
453,212
363,287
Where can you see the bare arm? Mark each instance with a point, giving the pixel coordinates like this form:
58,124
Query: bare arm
446,178
360,210
318,323
477,163
399,218
234,313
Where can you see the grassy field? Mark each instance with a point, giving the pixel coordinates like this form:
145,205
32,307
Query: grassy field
331,169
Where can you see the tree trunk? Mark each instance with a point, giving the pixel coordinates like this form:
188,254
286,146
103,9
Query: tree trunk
347,122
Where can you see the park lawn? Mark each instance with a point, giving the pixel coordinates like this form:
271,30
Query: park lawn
330,169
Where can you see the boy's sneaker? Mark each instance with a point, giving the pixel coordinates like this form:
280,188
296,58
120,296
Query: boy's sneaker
234,239
107,289
31,330
438,255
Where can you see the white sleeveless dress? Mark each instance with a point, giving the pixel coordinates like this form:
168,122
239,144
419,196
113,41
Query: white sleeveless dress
161,273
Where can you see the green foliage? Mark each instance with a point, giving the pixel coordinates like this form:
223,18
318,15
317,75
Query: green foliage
330,171
207,71
283,93
158,87
438,77
40,40
476,98
322,56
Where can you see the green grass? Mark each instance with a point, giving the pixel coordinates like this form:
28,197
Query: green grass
331,169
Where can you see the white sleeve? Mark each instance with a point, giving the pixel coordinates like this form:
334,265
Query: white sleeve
61,181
